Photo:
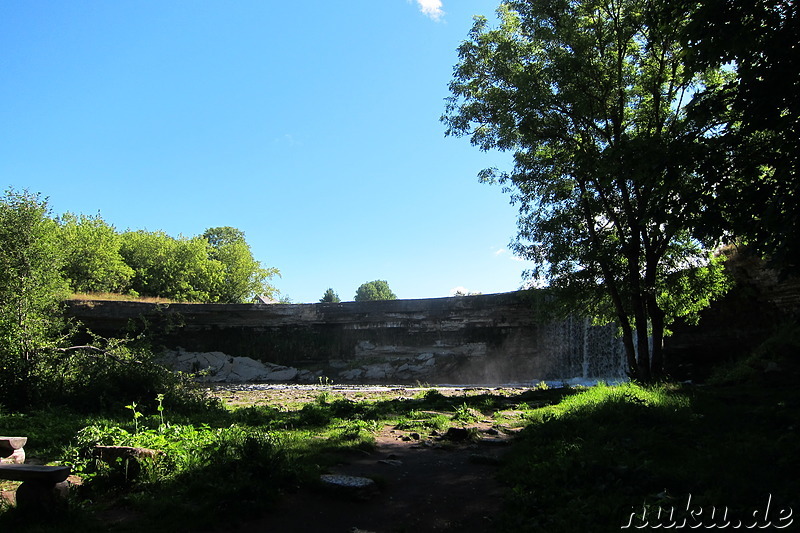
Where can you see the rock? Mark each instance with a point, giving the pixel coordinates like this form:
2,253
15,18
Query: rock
351,486
305,376
377,372
480,459
351,375
213,360
247,369
494,441
222,374
281,373
457,434
220,368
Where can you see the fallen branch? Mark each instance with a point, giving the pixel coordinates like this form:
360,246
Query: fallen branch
90,348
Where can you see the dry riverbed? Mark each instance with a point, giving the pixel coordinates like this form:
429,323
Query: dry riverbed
426,481
287,397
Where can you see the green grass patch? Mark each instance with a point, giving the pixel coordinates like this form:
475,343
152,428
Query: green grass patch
586,463
587,458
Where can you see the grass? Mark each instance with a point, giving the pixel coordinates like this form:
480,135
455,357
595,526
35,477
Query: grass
116,297
586,458
586,463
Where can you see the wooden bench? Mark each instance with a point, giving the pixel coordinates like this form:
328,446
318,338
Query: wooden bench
11,449
40,484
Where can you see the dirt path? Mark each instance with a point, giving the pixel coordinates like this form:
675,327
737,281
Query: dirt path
434,484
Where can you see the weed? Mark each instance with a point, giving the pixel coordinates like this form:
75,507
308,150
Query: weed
160,409
136,416
464,414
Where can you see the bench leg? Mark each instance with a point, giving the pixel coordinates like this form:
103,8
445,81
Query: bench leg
39,496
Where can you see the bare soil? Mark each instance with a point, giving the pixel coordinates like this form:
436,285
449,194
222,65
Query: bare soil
431,483
424,482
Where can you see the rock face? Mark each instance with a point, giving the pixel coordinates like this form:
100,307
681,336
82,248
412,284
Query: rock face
216,367
484,339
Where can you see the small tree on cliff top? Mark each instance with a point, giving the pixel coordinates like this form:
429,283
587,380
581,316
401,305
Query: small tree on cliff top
374,290
330,297
590,95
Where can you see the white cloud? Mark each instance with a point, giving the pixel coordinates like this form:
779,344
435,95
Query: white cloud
458,290
431,8
505,252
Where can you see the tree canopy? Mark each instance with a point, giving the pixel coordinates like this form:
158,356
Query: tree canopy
215,267
591,97
757,111
93,262
330,297
243,277
31,291
374,290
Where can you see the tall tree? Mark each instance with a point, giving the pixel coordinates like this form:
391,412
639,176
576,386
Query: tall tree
757,108
244,277
590,95
374,290
92,259
31,291
223,235
171,268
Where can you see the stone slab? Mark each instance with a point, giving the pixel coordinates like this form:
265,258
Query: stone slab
45,474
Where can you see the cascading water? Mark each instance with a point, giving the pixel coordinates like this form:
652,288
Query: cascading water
575,349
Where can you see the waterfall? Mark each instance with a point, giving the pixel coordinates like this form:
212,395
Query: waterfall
577,350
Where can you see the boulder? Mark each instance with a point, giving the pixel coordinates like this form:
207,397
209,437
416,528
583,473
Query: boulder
281,373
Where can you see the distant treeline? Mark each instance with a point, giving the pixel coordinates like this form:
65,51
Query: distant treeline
217,266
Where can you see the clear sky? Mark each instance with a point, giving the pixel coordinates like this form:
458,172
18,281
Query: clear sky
311,126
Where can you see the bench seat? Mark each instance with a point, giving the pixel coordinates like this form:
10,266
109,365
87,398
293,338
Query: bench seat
37,473
42,487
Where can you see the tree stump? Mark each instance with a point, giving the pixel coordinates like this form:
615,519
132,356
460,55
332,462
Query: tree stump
127,458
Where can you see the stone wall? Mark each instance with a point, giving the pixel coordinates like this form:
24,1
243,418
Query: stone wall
474,339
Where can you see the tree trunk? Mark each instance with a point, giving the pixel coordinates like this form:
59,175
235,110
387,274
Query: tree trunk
630,349
657,324
643,347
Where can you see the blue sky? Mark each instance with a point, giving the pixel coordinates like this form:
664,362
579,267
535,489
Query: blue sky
311,126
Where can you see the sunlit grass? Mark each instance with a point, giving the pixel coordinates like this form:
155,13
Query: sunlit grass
116,297
582,464
584,459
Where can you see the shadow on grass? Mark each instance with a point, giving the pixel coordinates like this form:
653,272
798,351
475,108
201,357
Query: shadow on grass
590,462
586,461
